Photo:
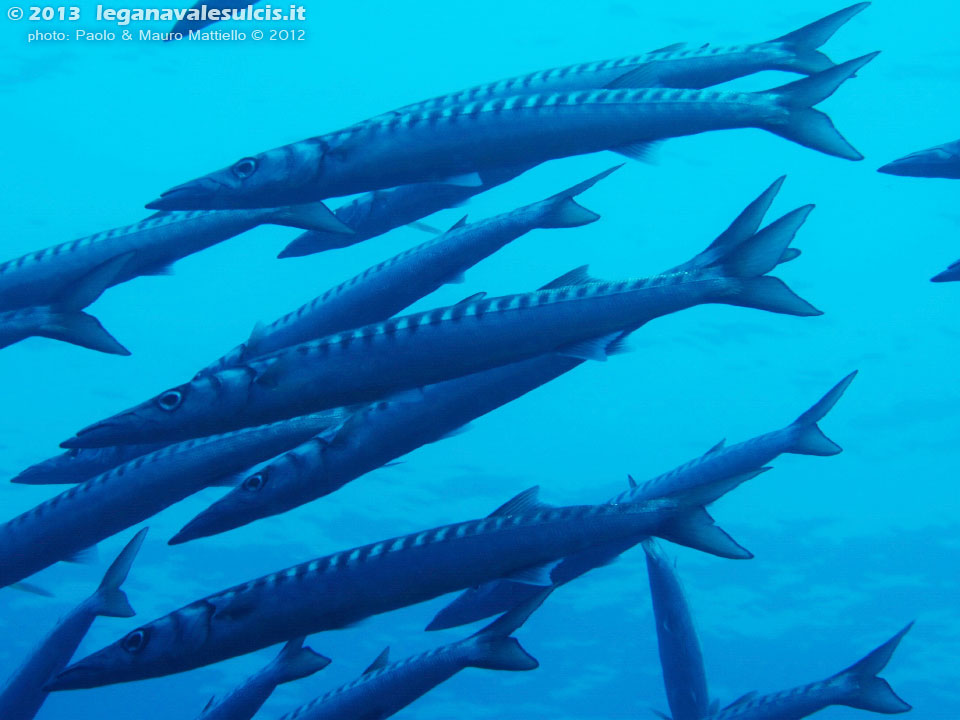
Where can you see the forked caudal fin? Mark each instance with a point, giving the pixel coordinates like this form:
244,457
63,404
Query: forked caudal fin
806,126
69,324
493,648
808,437
866,691
805,41
110,600
745,262
311,216
695,528
562,211
296,661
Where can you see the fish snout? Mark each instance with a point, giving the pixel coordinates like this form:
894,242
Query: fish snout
934,162
201,194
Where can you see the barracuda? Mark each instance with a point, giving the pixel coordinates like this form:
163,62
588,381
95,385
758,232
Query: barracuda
520,539
24,694
385,688
152,245
385,359
387,288
858,687
368,440
681,660
75,466
734,465
375,213
676,66
72,521
64,319
942,161
461,140
294,662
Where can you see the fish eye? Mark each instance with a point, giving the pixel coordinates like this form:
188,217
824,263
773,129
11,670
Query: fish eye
170,400
255,482
245,168
135,641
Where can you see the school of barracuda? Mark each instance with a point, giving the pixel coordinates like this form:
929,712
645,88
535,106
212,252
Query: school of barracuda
347,384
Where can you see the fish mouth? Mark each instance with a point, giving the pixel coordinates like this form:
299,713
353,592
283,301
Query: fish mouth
948,275
116,431
200,194
203,525
79,676
925,163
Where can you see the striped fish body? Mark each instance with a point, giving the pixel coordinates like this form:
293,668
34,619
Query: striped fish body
375,213
793,704
717,464
377,361
94,510
382,692
681,659
38,278
368,440
387,288
520,130
77,465
22,698
341,589
683,67
416,350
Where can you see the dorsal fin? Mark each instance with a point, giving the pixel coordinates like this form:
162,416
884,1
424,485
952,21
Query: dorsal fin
380,661
256,335
716,448
459,223
577,276
476,297
746,697
527,500
633,483
670,48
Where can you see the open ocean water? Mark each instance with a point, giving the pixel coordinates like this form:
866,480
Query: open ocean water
848,548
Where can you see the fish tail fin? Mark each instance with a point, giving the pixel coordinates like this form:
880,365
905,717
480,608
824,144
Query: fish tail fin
804,41
744,265
695,528
866,691
110,600
806,126
83,329
493,648
310,216
809,439
562,211
740,230
296,661
91,286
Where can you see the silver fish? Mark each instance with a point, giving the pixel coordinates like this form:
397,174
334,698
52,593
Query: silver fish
390,358
63,318
375,213
293,663
24,692
385,688
77,465
942,161
858,687
676,66
392,285
46,276
681,660
77,518
521,539
734,464
461,140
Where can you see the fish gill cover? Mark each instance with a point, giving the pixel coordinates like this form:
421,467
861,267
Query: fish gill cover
338,434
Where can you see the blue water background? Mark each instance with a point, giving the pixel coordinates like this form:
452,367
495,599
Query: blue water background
848,548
